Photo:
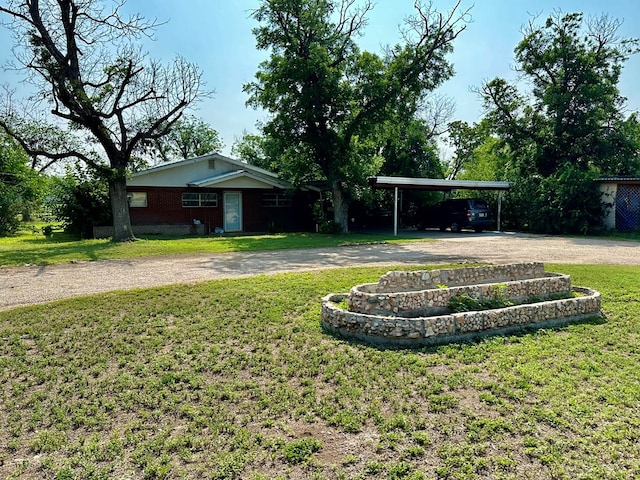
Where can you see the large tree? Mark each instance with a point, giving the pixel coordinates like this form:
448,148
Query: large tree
571,127
82,58
464,138
20,185
408,145
252,148
189,137
326,97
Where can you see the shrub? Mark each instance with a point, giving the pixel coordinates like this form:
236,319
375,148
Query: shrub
330,227
80,201
567,202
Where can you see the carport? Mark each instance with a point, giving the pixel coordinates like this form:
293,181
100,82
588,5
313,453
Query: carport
434,184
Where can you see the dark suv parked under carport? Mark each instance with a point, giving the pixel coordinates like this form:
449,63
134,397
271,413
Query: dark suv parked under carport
456,214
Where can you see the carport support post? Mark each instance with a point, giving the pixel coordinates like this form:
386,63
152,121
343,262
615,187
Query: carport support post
499,207
395,212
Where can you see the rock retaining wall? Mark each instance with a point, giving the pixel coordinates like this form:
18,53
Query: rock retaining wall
434,301
390,329
399,281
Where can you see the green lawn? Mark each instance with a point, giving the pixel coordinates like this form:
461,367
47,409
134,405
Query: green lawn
35,248
235,379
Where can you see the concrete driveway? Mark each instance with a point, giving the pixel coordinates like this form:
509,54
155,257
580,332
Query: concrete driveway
38,284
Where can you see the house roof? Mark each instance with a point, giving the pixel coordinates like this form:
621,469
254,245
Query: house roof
208,170
205,157
435,184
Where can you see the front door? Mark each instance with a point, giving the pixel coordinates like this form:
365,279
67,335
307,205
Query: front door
232,211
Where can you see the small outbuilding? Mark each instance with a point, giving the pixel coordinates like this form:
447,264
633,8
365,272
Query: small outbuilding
621,195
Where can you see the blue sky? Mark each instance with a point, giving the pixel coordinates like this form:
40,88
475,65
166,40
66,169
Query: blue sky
216,35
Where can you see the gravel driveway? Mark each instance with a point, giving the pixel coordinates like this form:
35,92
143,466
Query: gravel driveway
38,284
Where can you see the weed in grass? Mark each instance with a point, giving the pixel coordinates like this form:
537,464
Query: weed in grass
397,422
413,451
460,461
229,465
299,451
65,473
372,467
349,460
421,438
489,398
482,429
47,441
442,402
390,441
401,470
12,446
347,420
504,464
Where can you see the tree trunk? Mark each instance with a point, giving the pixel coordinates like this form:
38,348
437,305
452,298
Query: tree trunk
340,207
122,231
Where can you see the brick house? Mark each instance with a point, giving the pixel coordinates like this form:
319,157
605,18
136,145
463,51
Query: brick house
213,192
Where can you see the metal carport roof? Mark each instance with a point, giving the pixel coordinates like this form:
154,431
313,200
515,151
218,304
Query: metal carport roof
413,183
437,184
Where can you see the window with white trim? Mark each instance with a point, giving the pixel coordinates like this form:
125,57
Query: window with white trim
277,200
137,199
193,199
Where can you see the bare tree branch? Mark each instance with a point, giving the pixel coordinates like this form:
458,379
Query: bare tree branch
80,57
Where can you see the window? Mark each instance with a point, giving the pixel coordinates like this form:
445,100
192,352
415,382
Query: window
275,200
137,199
190,199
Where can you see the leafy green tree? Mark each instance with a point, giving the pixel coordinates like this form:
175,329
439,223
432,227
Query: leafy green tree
409,148
188,137
79,200
409,144
490,161
478,155
574,128
464,138
252,149
20,185
81,57
327,98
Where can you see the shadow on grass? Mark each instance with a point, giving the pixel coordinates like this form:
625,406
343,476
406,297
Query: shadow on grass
243,243
55,249
56,239
64,247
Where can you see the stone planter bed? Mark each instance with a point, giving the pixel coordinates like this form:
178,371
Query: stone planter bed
410,308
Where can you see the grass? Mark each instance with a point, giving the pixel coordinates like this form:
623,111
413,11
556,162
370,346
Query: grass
32,247
633,236
235,379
